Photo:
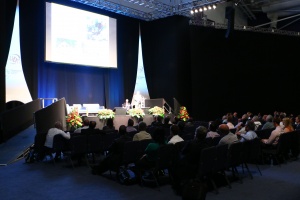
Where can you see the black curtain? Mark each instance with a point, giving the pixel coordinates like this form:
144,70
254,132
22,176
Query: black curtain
7,15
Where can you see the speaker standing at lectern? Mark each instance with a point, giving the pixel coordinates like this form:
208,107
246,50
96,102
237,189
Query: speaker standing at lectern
126,105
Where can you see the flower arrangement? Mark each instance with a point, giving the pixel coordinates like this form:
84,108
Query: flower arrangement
106,114
73,119
183,114
157,111
136,112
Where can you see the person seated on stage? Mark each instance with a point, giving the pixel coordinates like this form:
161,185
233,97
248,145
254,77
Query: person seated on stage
212,130
50,135
86,124
287,122
142,134
174,130
109,126
130,127
114,157
250,133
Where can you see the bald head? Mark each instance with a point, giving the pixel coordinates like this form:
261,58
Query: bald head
224,129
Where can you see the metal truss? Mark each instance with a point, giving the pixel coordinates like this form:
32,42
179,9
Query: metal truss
151,9
243,28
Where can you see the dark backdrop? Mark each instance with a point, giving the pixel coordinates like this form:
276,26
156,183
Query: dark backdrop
203,70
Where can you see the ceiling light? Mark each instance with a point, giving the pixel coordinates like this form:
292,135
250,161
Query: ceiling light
209,7
192,12
204,8
200,9
196,11
214,6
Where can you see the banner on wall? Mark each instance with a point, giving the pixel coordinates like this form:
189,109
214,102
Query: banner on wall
16,86
141,90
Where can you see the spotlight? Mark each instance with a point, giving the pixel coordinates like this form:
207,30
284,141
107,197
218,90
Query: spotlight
204,8
200,10
209,7
196,11
192,12
214,6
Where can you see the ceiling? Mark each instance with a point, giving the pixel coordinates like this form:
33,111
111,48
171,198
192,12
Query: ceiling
272,10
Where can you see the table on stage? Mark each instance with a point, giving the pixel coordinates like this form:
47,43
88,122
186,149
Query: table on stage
119,120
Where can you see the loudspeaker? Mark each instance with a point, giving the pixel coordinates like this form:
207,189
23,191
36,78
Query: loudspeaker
229,15
120,111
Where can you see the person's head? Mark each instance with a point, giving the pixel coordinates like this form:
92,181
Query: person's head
276,121
174,129
298,119
130,122
269,118
286,122
122,130
255,118
142,126
58,125
159,135
159,118
166,120
92,124
200,133
250,125
224,129
86,122
110,122
181,125
229,118
213,126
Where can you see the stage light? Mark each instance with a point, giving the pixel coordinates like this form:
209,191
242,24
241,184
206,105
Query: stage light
192,12
204,8
200,10
196,11
209,7
214,6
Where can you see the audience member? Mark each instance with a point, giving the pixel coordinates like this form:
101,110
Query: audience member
229,121
50,135
187,166
157,121
109,127
269,123
235,119
86,123
166,122
256,121
174,130
250,133
142,134
227,136
181,125
287,125
297,123
114,157
212,130
130,127
273,139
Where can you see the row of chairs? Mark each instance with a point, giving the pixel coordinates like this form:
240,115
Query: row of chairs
288,147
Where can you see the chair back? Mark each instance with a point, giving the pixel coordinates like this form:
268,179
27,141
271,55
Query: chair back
94,143
78,145
108,139
130,153
221,157
207,161
165,156
235,155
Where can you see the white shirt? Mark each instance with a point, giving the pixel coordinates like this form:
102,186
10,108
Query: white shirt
50,135
175,139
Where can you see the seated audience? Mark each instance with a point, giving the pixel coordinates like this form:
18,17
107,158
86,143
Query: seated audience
212,130
109,125
187,166
166,122
256,121
227,136
297,123
273,139
142,134
250,133
130,127
269,123
157,121
113,160
50,135
229,121
174,130
86,123
287,125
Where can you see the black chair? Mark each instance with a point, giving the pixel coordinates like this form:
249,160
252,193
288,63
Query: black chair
235,158
107,140
264,133
280,151
164,162
78,149
206,164
221,162
94,145
253,148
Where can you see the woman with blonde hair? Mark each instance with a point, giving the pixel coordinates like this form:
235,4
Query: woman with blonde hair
288,127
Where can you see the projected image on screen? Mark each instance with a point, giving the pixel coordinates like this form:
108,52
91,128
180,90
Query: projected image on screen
79,37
